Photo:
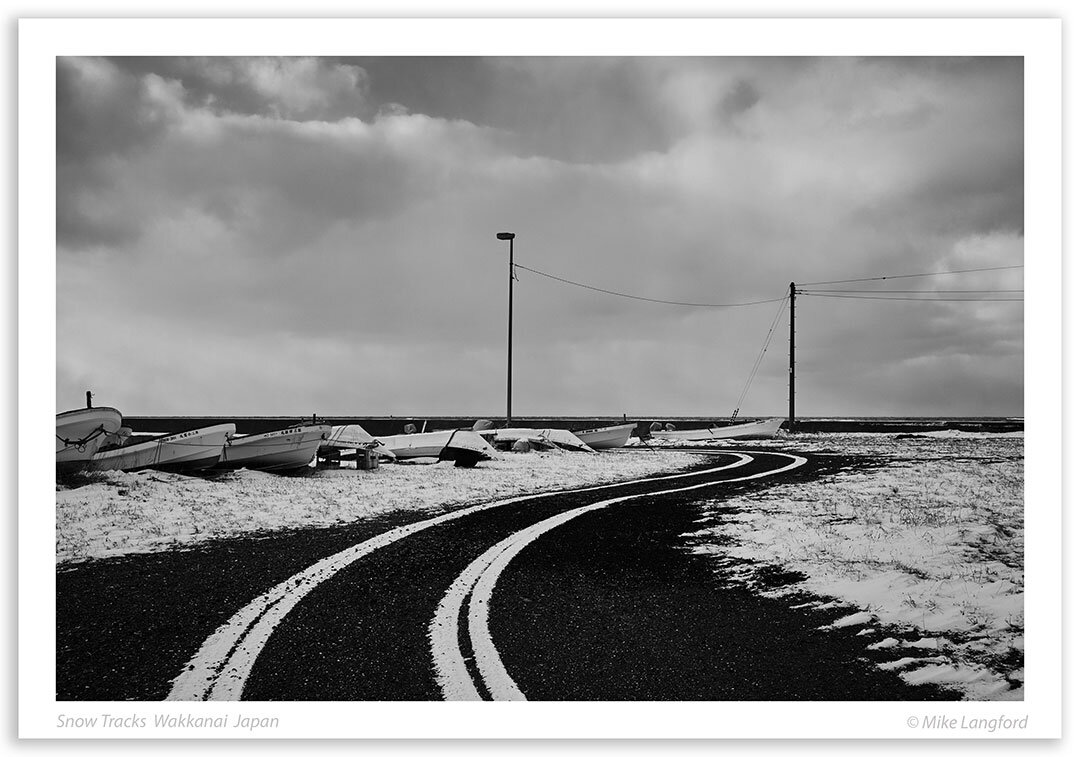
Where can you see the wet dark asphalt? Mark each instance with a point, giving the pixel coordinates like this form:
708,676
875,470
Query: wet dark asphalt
609,606
126,626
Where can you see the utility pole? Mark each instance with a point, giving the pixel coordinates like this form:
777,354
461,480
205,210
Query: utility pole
508,236
791,362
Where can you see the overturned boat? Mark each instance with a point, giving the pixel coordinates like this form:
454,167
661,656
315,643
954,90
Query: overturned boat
287,449
466,448
80,433
608,437
766,429
187,451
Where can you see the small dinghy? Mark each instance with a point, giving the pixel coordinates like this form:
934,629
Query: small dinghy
609,437
188,451
286,449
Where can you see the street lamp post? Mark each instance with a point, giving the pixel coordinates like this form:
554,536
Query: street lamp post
509,237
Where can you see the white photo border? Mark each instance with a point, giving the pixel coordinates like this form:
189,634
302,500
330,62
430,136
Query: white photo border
1037,40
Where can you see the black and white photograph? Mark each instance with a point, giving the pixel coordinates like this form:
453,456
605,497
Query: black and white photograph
570,377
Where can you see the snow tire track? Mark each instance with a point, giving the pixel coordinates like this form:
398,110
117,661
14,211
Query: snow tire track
220,668
477,583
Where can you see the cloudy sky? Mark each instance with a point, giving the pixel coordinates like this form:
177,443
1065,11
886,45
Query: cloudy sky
287,236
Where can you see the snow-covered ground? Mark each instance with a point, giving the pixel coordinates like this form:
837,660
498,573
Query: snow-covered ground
931,542
927,548
123,513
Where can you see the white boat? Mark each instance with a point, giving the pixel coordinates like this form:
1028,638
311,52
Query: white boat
466,448
757,430
352,437
609,437
80,433
286,449
190,450
540,437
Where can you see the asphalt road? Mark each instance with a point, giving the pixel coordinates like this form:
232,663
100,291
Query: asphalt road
608,605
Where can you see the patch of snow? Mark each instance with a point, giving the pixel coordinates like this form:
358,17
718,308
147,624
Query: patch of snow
957,434
907,662
855,619
980,683
148,511
932,539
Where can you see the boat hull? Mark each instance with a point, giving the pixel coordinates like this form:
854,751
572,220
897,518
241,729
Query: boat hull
609,437
287,449
759,430
352,437
466,448
188,451
543,437
80,433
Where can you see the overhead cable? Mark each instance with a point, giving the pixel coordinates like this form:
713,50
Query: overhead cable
915,299
909,291
647,299
911,275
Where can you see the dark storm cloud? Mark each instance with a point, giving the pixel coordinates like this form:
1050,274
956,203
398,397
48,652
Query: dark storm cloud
572,109
95,110
111,111
98,120
742,97
340,214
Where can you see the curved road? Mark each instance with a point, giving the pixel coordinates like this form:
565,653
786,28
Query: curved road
575,595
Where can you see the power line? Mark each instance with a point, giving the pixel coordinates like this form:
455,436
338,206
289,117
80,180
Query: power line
916,299
909,291
910,275
647,299
863,294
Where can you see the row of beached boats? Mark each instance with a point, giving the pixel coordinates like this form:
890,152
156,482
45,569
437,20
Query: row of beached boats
94,438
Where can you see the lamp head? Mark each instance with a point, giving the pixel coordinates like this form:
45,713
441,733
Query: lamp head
505,235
